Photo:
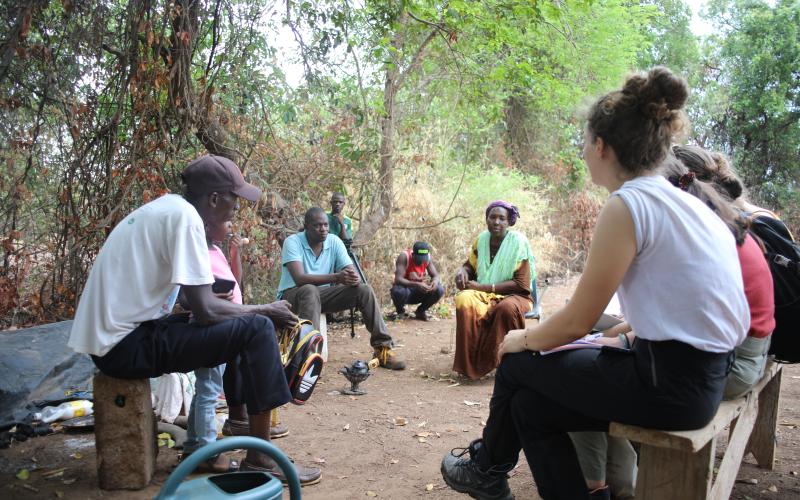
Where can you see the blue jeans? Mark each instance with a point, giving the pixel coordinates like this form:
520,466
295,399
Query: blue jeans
202,428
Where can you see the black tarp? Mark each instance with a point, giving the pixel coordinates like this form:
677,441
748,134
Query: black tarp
37,365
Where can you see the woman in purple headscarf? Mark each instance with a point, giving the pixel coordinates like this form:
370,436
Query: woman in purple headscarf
495,284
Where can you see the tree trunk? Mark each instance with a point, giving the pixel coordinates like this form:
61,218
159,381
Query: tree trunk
519,140
193,109
381,206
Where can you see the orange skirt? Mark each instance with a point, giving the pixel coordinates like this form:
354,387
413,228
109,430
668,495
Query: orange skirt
482,320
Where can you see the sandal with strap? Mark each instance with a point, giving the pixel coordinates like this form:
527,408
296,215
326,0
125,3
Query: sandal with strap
242,428
215,465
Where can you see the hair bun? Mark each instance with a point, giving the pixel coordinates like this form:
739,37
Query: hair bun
642,120
660,92
732,186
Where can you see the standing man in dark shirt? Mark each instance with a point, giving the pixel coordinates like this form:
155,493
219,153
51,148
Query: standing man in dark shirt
338,223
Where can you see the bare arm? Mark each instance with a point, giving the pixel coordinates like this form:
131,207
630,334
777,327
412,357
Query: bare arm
208,308
436,280
184,303
507,287
464,274
612,251
234,249
615,330
400,266
342,230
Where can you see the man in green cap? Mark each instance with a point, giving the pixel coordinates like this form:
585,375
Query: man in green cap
410,284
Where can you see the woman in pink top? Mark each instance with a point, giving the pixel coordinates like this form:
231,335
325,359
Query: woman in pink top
202,427
751,355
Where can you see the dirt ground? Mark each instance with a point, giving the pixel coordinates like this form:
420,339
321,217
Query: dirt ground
386,444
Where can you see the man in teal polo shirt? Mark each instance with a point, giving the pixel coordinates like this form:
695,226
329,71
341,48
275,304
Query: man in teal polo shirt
311,262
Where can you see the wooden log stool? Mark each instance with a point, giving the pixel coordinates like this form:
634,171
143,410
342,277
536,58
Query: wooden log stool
125,433
680,464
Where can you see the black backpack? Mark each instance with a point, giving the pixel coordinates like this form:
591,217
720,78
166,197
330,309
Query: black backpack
783,257
302,361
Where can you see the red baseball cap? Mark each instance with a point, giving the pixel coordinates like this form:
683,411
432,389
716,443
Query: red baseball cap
211,173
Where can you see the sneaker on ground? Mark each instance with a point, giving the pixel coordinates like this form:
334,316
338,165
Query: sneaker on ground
465,476
388,358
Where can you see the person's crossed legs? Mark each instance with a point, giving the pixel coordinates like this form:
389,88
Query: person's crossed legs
309,301
538,399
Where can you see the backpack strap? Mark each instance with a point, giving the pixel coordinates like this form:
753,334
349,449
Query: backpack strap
782,261
768,213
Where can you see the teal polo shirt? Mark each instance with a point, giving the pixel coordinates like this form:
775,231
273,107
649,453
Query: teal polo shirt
296,249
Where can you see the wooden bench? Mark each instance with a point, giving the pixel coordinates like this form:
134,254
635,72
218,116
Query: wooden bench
681,464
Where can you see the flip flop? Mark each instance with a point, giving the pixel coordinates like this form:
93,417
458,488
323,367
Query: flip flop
242,428
215,465
307,475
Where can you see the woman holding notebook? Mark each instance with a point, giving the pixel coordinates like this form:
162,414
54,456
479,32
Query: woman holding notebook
675,265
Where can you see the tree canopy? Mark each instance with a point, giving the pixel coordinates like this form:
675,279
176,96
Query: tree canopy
103,103
755,60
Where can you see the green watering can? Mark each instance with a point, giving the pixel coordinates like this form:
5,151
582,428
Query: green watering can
232,485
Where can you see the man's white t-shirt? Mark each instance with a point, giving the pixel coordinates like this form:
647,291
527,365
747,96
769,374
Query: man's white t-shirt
138,272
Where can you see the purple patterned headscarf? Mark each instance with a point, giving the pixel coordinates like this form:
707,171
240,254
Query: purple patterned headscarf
513,212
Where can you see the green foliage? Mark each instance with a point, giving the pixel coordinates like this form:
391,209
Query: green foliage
757,111
671,42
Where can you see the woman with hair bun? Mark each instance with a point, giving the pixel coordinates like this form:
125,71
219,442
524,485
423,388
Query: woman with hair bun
674,263
714,167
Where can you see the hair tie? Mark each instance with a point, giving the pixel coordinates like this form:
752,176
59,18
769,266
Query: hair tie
686,180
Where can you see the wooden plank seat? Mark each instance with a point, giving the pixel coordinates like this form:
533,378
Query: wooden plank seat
680,464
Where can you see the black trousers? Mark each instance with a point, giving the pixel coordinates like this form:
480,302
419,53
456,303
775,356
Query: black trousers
538,399
172,344
402,295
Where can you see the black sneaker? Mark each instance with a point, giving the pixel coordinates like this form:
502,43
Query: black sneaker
464,476
600,493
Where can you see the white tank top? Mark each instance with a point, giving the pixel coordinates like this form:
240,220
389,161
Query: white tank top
685,282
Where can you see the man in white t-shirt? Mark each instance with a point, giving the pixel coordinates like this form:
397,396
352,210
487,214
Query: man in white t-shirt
123,318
